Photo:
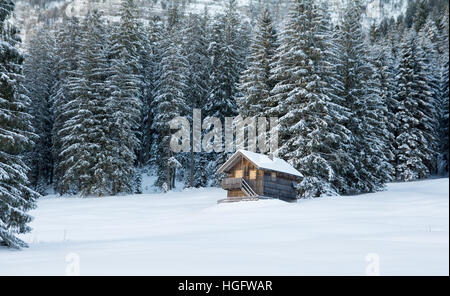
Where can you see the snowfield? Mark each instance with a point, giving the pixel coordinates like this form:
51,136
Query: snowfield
402,231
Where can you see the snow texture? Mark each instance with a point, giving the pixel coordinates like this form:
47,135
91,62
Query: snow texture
188,233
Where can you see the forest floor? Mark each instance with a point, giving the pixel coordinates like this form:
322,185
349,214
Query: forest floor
401,231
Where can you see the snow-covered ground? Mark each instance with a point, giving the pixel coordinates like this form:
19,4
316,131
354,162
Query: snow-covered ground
402,231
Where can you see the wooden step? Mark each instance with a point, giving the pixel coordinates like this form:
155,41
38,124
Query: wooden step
236,199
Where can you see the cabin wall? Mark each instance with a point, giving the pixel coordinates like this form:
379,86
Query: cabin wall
279,187
235,193
264,183
254,177
257,183
241,169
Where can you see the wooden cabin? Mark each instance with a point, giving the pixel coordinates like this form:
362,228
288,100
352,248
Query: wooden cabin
251,176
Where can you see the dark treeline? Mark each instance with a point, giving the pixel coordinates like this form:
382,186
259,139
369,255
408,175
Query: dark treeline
103,93
357,108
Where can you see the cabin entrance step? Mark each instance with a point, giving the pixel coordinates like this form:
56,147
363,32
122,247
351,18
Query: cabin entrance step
247,189
236,199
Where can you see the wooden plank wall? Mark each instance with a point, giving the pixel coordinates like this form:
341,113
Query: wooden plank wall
264,184
235,193
281,187
247,167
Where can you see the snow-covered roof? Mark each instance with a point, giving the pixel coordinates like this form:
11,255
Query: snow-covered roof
261,161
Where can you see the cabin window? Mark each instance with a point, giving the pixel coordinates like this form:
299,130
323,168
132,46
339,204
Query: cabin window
252,174
238,174
273,176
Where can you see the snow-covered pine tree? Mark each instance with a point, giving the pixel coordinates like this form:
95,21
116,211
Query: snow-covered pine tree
40,80
415,113
16,136
394,36
362,98
333,86
385,67
227,53
421,15
67,48
443,164
146,61
255,82
310,120
87,150
195,48
154,38
168,103
428,53
125,87
124,106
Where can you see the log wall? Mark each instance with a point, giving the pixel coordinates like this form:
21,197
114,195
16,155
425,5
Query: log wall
282,187
267,183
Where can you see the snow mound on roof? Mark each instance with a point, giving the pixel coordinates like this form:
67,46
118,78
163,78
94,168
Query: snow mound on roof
264,162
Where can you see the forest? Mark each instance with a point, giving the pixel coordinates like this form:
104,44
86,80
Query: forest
85,106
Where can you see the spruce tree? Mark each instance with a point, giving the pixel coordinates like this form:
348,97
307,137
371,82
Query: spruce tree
415,138
154,37
86,148
362,98
227,53
311,121
16,136
428,52
195,49
169,102
421,14
124,105
125,88
443,81
385,70
443,165
255,82
40,80
330,67
66,63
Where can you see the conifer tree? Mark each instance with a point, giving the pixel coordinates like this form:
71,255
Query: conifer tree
66,63
428,52
86,148
385,70
16,136
255,82
169,102
124,106
362,98
195,49
40,81
415,102
227,53
125,88
443,108
311,121
154,38
443,165
421,14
